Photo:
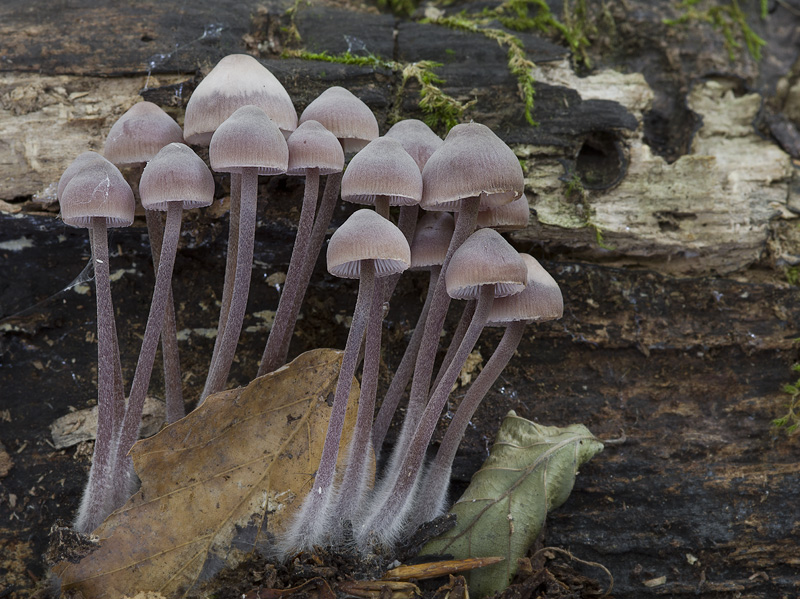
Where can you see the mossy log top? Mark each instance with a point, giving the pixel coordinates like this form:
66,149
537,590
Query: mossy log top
609,179
663,156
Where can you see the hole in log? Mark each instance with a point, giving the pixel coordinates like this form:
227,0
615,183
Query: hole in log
600,162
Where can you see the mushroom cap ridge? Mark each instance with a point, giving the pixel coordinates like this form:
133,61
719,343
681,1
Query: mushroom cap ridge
471,162
97,191
176,174
139,134
237,80
485,258
540,300
382,168
367,236
249,138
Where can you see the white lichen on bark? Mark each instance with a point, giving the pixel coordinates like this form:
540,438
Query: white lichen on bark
714,209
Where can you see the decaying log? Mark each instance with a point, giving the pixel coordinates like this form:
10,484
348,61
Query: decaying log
665,200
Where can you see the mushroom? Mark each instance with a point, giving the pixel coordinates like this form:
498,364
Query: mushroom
174,180
344,115
248,143
236,80
366,246
134,139
82,161
382,174
503,219
354,125
484,267
541,300
95,195
313,151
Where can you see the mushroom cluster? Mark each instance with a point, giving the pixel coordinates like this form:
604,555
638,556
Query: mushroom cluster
454,198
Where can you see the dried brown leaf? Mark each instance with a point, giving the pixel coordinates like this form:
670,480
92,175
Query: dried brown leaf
217,484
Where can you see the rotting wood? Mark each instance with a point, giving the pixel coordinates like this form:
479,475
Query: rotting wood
701,494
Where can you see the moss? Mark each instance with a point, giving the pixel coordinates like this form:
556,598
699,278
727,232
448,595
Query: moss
398,7
518,63
369,60
291,31
536,15
790,421
792,274
527,15
574,186
598,236
576,195
441,110
729,19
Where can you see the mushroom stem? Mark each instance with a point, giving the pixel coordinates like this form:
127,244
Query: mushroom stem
404,371
283,325
423,366
407,223
321,223
455,342
218,375
173,390
382,206
129,431
433,489
99,489
420,384
389,514
119,387
311,525
230,264
353,488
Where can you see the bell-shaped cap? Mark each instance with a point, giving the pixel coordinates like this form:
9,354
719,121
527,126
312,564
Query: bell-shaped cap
139,134
248,139
76,166
312,146
471,162
485,258
367,236
417,139
97,191
540,300
344,115
176,174
382,169
431,239
237,80
508,217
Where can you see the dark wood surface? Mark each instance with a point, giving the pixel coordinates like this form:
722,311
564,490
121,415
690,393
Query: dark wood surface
686,373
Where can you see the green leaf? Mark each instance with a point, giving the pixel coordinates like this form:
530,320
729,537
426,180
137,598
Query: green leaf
530,470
